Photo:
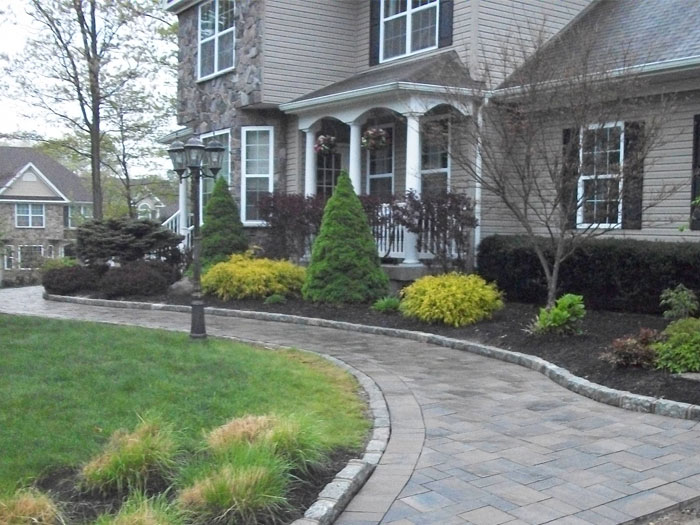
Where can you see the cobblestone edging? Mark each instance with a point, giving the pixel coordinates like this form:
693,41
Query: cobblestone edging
559,375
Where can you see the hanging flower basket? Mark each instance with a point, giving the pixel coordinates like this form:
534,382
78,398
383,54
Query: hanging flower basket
375,138
325,144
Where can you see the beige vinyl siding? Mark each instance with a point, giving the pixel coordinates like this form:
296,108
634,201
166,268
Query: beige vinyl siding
502,21
308,44
294,166
362,36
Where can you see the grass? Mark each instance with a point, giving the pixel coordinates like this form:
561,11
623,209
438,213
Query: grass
68,386
28,506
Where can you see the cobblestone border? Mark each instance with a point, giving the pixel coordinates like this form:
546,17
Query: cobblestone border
561,376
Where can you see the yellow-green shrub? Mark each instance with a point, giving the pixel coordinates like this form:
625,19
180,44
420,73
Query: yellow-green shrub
453,298
242,277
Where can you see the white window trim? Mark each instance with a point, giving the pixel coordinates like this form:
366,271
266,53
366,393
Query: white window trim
582,178
227,143
51,251
30,226
215,38
409,33
245,176
8,263
81,209
448,169
393,161
19,255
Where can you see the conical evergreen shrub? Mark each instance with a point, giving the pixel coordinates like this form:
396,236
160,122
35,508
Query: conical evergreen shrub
344,264
222,232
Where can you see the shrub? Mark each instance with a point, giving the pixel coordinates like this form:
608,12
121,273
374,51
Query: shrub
344,265
59,262
292,221
386,305
70,279
136,278
275,298
613,274
678,302
132,460
222,232
139,510
679,351
28,506
563,318
633,351
454,299
242,277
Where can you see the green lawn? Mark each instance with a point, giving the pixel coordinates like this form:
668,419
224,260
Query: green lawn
66,386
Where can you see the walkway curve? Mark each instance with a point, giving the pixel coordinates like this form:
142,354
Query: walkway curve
503,444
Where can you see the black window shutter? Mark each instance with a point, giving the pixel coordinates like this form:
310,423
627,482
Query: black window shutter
66,214
695,190
446,19
570,172
375,14
633,176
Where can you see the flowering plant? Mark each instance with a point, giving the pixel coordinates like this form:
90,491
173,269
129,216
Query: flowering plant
325,144
375,138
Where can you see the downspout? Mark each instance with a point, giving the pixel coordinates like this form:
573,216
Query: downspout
478,171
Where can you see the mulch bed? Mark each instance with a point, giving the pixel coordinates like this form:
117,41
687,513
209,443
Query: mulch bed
508,329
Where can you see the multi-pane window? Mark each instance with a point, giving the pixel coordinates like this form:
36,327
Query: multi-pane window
30,257
599,187
76,214
435,159
380,168
225,173
216,37
257,159
9,257
29,215
328,169
408,26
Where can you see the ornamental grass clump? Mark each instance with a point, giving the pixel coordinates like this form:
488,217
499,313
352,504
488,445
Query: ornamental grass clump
28,506
243,276
454,299
133,460
139,510
344,265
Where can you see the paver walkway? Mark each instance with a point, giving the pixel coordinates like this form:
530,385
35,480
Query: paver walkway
474,440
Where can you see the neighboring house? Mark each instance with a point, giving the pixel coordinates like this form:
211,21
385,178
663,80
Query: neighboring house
150,206
41,204
267,77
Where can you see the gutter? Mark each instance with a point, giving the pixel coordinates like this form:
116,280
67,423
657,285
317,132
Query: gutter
478,168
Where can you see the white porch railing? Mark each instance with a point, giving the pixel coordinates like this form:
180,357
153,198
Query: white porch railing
173,224
390,237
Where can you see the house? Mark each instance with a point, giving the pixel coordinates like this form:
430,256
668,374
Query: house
267,78
41,205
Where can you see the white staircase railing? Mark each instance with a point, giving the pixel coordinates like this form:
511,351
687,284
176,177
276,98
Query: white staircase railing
173,224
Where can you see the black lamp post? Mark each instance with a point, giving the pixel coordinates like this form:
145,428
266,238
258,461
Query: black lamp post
187,161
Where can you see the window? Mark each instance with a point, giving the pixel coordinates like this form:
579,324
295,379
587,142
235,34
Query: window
29,215
408,27
50,253
216,37
600,181
30,257
329,166
9,257
435,158
144,211
380,168
76,214
257,159
225,173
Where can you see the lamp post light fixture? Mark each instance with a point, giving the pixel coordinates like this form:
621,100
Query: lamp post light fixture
188,160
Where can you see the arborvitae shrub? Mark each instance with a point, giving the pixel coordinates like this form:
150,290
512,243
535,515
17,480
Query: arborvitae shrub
222,232
70,279
344,264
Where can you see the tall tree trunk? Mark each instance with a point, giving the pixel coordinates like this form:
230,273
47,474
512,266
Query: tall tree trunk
95,130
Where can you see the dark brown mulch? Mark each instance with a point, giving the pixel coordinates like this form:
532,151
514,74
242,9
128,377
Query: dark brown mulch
508,330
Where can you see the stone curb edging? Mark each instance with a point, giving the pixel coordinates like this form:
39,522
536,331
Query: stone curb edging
561,376
336,495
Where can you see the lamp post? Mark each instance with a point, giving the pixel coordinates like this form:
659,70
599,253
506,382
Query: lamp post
187,162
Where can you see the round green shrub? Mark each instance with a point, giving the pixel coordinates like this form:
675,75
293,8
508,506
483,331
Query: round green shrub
137,278
680,350
344,264
68,280
222,232
454,299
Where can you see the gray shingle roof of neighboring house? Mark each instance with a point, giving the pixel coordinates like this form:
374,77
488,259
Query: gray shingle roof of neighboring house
443,69
621,34
13,159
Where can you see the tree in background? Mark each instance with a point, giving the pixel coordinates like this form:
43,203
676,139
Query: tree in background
222,232
344,265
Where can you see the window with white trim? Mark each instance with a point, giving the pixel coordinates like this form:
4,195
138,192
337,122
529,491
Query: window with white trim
30,257
223,137
217,33
257,169
76,214
50,252
408,27
600,182
435,156
29,215
380,167
9,257
144,211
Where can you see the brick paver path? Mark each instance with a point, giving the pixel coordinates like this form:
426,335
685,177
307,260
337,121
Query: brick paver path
474,440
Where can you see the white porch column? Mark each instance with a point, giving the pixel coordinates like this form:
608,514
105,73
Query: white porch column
413,181
311,159
182,205
356,156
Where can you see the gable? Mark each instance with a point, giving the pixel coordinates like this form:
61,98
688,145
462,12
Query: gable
30,183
